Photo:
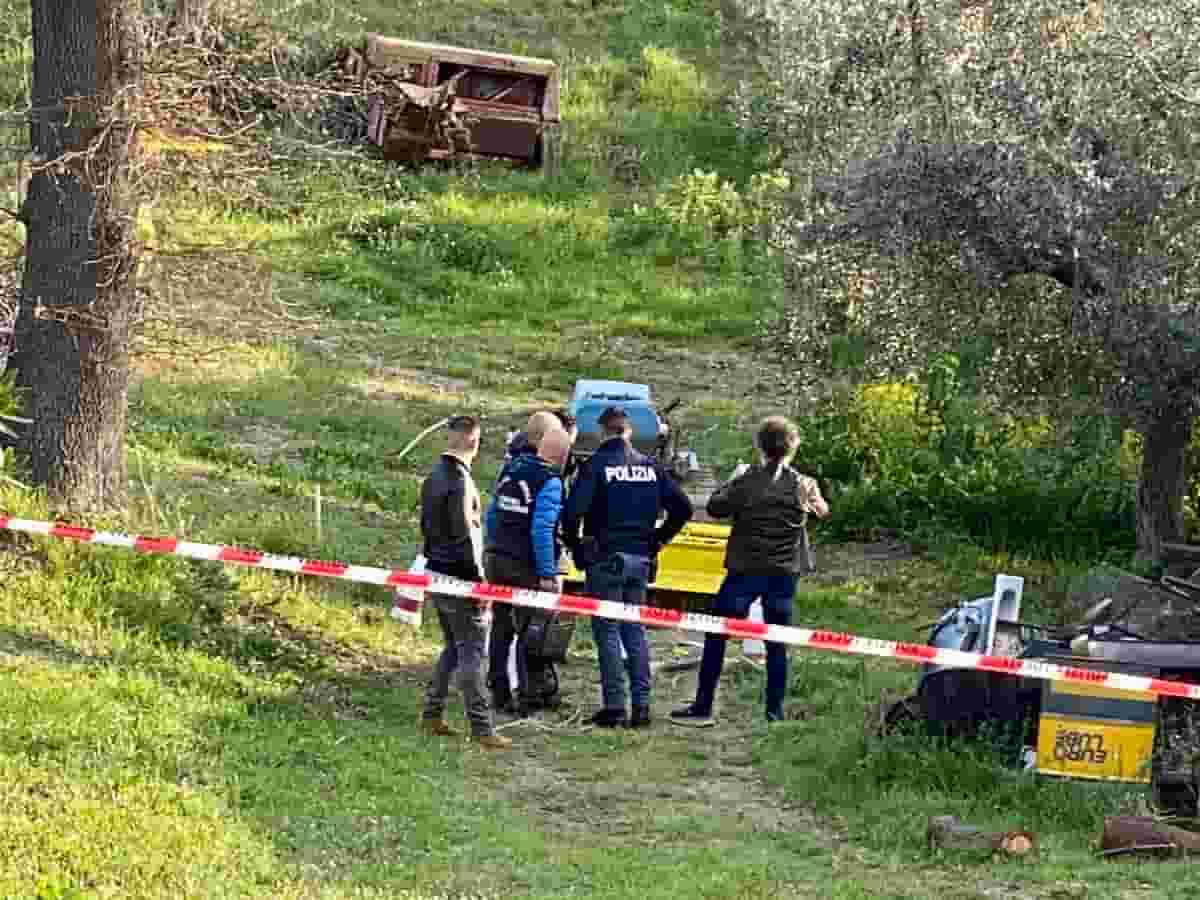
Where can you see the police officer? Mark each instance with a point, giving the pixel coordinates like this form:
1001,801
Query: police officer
523,550
617,499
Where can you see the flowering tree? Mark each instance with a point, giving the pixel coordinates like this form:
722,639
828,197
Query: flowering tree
1019,174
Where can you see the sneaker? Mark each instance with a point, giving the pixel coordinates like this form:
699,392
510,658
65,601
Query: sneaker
609,718
641,717
439,727
692,717
493,742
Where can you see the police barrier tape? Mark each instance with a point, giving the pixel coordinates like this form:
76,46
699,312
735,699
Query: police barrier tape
408,583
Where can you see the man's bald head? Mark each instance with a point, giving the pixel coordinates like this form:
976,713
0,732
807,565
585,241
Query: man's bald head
540,423
555,446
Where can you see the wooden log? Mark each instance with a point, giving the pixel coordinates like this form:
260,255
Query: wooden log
949,833
1144,835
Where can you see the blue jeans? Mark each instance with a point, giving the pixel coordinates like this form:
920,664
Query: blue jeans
621,578
737,593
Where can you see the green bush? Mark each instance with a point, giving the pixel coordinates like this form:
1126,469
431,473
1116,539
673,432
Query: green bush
671,83
10,420
924,457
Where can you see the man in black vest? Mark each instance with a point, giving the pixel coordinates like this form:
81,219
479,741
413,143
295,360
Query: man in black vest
617,499
523,550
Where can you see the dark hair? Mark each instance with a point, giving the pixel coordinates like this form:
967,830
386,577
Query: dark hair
613,420
567,420
463,424
777,437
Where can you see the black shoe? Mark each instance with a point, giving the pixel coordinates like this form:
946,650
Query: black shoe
692,717
775,716
641,717
609,718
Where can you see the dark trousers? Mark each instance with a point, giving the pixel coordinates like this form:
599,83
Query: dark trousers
737,593
465,629
509,623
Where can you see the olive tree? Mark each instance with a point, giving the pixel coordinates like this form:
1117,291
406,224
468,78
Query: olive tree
1017,172
77,297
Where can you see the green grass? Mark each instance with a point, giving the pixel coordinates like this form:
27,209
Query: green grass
172,729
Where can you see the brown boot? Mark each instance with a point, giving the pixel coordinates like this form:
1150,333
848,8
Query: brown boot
438,727
493,742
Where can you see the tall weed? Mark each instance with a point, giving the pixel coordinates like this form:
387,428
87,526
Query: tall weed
926,457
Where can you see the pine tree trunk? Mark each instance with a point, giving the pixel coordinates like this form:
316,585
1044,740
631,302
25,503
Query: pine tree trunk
1163,482
72,332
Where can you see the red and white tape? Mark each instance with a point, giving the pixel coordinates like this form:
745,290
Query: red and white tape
411,583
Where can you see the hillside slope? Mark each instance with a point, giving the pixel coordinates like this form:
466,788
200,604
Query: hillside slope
170,729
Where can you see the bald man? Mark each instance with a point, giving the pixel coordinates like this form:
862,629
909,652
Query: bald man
527,441
523,550
504,627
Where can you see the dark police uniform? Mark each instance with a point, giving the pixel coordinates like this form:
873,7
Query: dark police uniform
617,499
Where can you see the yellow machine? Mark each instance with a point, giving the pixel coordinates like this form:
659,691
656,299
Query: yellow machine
1087,731
692,565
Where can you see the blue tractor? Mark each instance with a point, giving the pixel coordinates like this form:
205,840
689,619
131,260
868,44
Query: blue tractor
651,433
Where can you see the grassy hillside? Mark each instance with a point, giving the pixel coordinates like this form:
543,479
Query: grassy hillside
171,730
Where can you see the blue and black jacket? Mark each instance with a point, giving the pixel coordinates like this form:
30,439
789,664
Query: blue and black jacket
522,519
618,498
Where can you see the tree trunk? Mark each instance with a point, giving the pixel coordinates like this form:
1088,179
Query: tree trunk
1163,481
1144,834
77,300
948,833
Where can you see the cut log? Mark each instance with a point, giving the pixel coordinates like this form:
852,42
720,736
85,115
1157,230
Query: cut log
1144,835
948,833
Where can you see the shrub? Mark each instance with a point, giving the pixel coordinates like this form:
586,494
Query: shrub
924,457
670,83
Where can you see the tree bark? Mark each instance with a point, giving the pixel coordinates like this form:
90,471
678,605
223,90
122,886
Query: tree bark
948,833
77,300
1140,833
1163,481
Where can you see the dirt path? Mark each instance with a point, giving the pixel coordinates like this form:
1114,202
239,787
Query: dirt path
642,786
636,784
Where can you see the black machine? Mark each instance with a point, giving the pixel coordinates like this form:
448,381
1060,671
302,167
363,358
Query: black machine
1067,730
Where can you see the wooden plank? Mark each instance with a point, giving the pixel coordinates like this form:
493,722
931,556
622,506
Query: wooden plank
383,51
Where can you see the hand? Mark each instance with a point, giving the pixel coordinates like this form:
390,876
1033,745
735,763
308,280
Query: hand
553,585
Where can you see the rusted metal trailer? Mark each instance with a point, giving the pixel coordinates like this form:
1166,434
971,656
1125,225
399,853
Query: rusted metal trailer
434,101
